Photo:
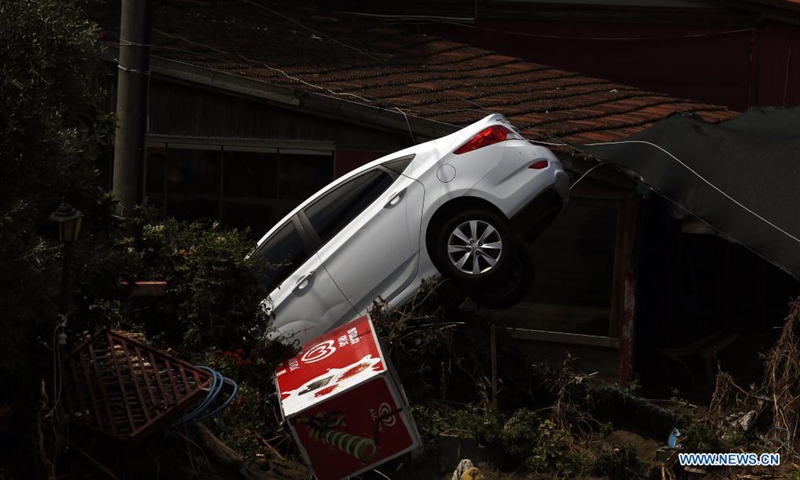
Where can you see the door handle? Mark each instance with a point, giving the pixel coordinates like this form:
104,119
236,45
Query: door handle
303,282
395,199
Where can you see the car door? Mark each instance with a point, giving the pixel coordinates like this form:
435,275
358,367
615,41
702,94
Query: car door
305,300
369,230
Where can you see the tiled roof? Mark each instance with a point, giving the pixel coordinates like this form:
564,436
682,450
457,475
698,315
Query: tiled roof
784,4
391,67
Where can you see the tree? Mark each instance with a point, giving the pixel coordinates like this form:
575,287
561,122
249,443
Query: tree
51,127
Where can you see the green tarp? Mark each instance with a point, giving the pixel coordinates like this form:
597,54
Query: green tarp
742,177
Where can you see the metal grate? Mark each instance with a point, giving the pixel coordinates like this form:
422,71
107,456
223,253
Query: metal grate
125,388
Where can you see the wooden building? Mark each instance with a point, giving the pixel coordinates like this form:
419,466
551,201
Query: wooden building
252,110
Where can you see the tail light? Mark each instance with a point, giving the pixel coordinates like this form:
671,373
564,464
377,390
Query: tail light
539,165
488,136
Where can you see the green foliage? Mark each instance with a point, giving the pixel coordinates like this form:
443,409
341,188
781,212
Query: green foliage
705,435
521,433
51,125
214,292
50,130
542,446
253,413
606,429
440,344
618,462
211,314
430,343
701,437
553,451
438,418
483,424
431,422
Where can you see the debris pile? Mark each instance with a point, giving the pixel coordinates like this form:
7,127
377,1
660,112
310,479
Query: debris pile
555,421
537,421
782,385
126,389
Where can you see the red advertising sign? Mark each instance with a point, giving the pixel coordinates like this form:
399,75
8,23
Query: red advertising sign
344,409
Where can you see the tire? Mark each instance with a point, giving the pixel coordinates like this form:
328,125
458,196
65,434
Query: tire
512,289
473,247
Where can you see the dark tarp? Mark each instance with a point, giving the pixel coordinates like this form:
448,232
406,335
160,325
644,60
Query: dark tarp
742,177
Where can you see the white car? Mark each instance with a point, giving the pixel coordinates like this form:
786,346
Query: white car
453,206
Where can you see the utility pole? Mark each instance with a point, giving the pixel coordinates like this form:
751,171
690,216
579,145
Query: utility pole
132,100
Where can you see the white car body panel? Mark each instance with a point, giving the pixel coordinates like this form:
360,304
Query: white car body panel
507,186
391,253
310,300
382,252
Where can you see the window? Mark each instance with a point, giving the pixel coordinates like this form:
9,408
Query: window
399,165
155,169
335,210
250,191
251,174
193,182
283,252
241,185
302,175
193,171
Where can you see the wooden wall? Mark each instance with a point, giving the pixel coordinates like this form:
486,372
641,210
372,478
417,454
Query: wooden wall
186,110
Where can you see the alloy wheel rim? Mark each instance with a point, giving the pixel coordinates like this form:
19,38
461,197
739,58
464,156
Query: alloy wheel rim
474,247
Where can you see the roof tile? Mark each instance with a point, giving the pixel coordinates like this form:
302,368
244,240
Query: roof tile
382,65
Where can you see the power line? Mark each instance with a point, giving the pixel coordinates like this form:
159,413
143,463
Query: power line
331,94
294,78
707,182
432,18
317,32
254,62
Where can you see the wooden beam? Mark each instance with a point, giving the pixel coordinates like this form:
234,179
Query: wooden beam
628,263
566,338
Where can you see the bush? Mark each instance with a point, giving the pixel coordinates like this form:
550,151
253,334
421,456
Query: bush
430,344
433,420
51,127
211,314
214,292
553,452
254,413
706,435
618,462
521,434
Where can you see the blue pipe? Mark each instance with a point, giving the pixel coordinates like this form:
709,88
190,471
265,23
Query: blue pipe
218,381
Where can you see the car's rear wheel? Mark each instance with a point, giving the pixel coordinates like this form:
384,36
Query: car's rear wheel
473,247
515,284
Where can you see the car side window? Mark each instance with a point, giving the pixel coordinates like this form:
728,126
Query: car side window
331,213
283,253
